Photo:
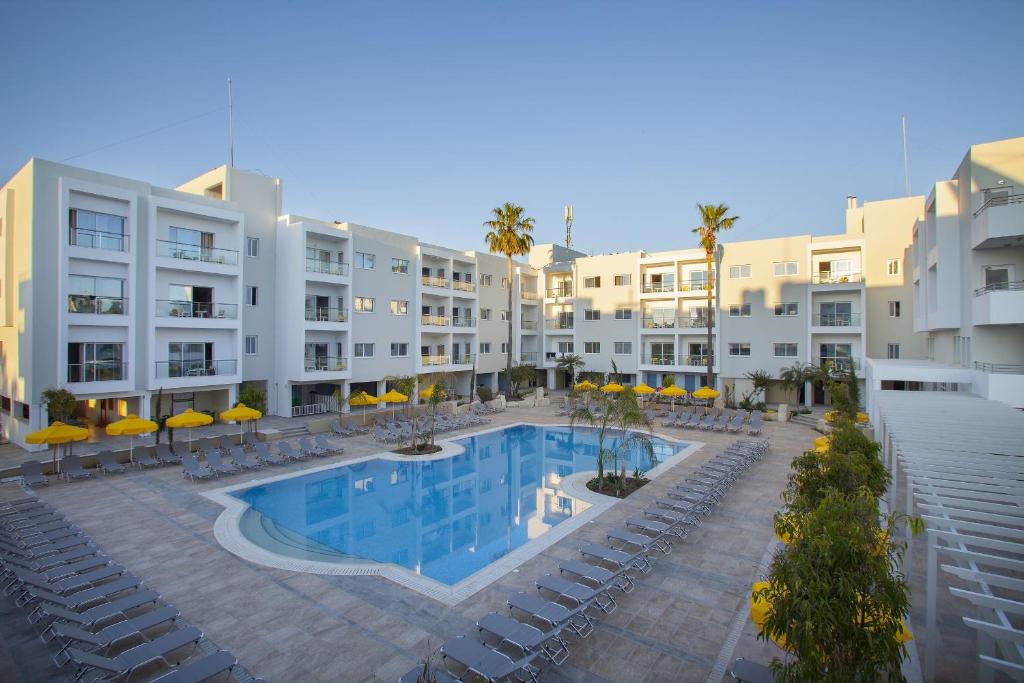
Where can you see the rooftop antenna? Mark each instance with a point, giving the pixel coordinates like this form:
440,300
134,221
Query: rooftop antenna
568,226
906,164
231,128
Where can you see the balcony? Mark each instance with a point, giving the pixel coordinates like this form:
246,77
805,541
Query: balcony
836,320
195,368
327,314
326,267
658,287
695,286
528,325
836,363
324,364
463,322
998,223
559,324
434,320
97,305
694,321
427,361
466,359
658,359
1000,368
97,371
527,295
97,239
463,286
432,281
658,323
528,358
166,308
194,252
559,292
696,361
825,277
999,304
999,382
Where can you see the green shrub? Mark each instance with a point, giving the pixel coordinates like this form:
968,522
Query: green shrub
485,393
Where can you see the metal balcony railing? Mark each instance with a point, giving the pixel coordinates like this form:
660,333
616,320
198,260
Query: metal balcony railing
435,360
693,321
327,314
102,305
194,252
465,359
527,294
463,286
1000,201
315,265
695,286
697,361
528,324
529,357
97,239
658,287
434,320
658,322
431,281
659,359
999,287
324,364
559,323
825,277
1000,368
97,371
834,362
836,320
560,291
195,368
195,309
463,321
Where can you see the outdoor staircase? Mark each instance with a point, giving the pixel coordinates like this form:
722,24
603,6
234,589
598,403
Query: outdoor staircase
296,432
810,420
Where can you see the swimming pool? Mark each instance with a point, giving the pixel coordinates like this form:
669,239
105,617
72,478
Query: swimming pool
445,518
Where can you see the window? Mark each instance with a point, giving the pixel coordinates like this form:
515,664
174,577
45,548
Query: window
252,247
399,307
739,272
591,347
894,351
837,355
894,309
739,349
251,344
504,316
485,347
623,280
365,261
623,348
252,296
399,349
91,294
566,347
662,353
97,230
485,280
485,314
623,313
785,349
504,283
787,309
400,266
363,304
591,314
739,310
504,347
97,362
362,350
592,282
893,266
784,268
998,277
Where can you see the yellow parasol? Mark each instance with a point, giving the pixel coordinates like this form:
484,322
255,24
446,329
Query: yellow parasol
706,394
241,414
612,388
131,426
363,399
394,396
673,392
56,434
189,419
585,385
642,390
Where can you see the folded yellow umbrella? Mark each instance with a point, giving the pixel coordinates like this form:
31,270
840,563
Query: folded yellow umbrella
131,426
56,434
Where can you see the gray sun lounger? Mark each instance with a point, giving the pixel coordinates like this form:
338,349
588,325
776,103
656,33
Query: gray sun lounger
180,448
50,561
620,558
202,669
307,446
755,425
678,520
660,531
94,616
241,459
322,442
600,576
214,462
51,548
578,593
30,537
249,440
263,454
124,664
552,613
750,672
165,455
107,637
486,662
708,423
143,458
193,470
32,474
84,598
288,451
71,468
642,541
109,464
684,506
20,523
736,424
527,638
61,571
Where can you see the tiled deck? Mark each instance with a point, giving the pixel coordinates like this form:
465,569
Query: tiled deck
287,626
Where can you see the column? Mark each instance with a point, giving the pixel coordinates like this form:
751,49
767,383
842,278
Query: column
808,394
552,384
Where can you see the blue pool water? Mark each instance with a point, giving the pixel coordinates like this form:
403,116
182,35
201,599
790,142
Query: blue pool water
448,518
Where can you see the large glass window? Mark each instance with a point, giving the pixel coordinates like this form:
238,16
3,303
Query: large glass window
96,362
97,230
189,359
836,314
91,294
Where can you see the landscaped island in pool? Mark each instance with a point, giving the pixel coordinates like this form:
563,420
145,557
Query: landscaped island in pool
444,519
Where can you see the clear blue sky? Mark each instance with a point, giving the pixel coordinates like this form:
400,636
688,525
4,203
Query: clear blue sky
421,117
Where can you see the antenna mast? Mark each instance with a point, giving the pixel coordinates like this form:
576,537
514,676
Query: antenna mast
231,128
906,165
568,226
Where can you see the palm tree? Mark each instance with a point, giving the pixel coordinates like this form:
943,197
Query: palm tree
713,220
794,377
610,412
629,418
509,234
571,363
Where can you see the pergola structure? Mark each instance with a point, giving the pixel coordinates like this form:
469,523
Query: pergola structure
960,460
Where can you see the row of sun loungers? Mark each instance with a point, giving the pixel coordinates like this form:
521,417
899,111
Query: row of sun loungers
102,620
397,432
721,422
513,646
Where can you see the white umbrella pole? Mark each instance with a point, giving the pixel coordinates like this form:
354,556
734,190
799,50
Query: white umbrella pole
131,449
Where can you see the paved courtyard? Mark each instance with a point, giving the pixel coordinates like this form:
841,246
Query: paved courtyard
682,618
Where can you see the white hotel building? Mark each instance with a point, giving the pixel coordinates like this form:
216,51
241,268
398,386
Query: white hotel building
129,294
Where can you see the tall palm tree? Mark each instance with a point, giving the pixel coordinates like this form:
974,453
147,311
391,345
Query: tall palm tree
570,363
509,234
713,220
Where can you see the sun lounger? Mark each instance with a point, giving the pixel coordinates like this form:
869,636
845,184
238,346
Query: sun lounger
322,442
249,440
285,448
50,561
214,462
525,637
307,446
109,464
485,662
32,474
755,425
122,665
642,541
105,638
202,669
165,455
85,598
180,448
14,571
263,454
736,424
143,458
684,506
659,531
226,443
552,613
619,558
577,593
678,520
14,523
92,617
71,468
33,535
694,421
240,459
51,548
599,576
750,672
193,470
708,423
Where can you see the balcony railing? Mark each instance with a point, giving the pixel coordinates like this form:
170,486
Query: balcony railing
697,361
98,371
102,305
558,292
693,321
463,286
999,287
658,287
435,360
194,252
527,294
327,314
195,309
835,363
1000,201
435,320
324,364
528,357
1000,368
465,359
528,324
559,323
315,265
658,323
195,368
97,239
431,281
825,277
836,320
463,321
659,359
